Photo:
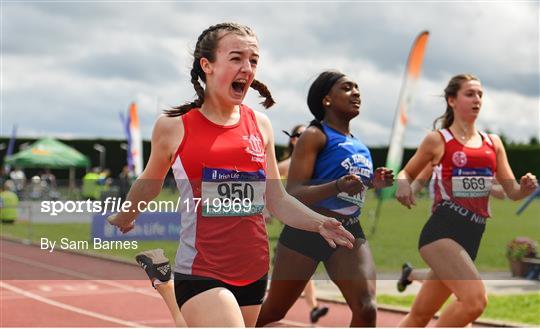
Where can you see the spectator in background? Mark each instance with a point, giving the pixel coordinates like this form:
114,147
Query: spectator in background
19,180
8,202
124,182
90,188
48,181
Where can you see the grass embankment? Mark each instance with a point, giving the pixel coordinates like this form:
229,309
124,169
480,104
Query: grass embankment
523,308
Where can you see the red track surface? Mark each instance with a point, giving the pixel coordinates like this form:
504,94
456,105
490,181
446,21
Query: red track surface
62,289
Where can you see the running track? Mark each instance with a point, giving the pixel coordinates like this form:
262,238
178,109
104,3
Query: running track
60,289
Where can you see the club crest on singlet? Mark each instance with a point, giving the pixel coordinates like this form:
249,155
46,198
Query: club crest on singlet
255,148
459,158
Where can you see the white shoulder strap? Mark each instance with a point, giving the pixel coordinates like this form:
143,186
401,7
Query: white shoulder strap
446,135
487,138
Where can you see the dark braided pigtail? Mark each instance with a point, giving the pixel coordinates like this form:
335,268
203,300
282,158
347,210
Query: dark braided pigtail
183,109
264,92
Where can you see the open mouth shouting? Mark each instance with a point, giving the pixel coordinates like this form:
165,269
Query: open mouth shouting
239,87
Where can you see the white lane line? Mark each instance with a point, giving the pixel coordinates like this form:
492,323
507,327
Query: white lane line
56,294
79,275
69,307
45,288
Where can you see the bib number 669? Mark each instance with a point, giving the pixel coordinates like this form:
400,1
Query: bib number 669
474,183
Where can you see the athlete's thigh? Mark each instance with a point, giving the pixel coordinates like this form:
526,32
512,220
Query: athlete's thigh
216,307
291,265
453,266
250,314
353,270
291,272
431,296
449,261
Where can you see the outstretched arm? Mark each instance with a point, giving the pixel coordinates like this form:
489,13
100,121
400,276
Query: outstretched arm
291,211
167,134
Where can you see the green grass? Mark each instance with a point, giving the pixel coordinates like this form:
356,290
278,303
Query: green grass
523,308
398,229
519,308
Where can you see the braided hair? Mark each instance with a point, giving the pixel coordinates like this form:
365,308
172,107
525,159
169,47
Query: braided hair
206,46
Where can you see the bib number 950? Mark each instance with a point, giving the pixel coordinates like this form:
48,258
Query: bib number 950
232,193
236,191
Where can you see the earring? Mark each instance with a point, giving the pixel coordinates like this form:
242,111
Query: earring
327,104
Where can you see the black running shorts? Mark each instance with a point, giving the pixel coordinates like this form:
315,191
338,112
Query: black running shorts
187,286
312,244
451,221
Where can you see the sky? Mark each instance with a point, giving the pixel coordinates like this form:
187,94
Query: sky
69,68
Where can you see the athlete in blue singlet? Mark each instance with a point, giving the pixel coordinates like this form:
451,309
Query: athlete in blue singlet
330,172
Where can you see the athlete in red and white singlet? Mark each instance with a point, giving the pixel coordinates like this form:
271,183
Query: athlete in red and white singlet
226,171
464,174
209,244
450,239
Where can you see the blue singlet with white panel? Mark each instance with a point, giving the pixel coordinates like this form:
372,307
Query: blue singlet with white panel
343,155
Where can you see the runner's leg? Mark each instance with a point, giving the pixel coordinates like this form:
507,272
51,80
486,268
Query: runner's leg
353,271
166,291
429,300
454,267
291,272
216,307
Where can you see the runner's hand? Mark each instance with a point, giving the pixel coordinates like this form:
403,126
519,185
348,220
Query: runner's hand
404,194
350,184
123,226
335,234
383,177
528,183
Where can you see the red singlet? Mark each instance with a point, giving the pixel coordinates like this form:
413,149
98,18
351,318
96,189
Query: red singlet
464,174
216,167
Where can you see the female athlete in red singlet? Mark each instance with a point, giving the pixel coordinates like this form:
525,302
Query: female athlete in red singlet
222,156
465,163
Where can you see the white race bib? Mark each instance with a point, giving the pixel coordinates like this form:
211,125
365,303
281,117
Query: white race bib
357,199
227,193
471,183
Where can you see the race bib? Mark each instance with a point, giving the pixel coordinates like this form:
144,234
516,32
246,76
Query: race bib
357,199
471,183
232,193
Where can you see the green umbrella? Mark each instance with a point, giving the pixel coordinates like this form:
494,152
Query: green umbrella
48,153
